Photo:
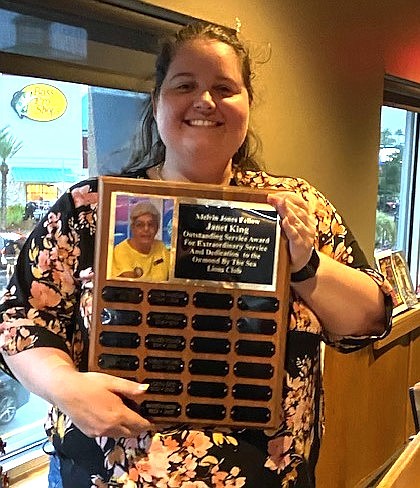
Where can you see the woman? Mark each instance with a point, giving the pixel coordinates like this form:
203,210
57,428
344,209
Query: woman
141,256
201,108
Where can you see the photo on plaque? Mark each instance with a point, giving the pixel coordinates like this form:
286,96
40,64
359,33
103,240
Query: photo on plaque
140,235
403,277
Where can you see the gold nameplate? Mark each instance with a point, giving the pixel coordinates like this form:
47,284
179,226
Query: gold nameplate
201,317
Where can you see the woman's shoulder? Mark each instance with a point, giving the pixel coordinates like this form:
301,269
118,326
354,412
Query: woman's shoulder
264,179
91,183
123,246
83,193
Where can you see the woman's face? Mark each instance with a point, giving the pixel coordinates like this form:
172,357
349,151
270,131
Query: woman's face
143,232
203,107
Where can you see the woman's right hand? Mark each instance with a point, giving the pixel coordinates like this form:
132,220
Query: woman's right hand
93,401
95,404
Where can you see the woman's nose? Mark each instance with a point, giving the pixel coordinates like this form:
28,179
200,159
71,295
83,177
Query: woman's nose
204,101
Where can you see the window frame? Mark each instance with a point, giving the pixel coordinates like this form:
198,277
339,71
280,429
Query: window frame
126,14
405,94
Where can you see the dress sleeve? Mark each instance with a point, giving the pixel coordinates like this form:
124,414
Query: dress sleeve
40,302
344,248
335,239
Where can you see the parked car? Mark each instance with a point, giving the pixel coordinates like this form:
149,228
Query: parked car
41,209
12,396
7,238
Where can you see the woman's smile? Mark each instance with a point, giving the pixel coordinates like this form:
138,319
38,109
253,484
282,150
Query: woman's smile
203,123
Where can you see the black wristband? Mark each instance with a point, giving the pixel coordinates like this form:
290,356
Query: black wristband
308,271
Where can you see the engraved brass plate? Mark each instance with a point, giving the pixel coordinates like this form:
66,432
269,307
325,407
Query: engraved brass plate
167,320
163,342
163,386
163,364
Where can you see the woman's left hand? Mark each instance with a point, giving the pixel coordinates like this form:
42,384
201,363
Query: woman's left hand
338,287
299,225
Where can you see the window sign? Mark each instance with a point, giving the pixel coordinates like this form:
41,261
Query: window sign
40,102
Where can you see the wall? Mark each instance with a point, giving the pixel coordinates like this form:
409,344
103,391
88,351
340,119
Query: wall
319,96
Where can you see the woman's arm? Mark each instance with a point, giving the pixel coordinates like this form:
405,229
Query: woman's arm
38,321
346,300
93,401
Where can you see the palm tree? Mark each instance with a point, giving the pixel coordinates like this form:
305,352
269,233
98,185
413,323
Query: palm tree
9,146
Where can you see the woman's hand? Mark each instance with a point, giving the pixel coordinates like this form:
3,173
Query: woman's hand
93,401
97,404
346,301
298,223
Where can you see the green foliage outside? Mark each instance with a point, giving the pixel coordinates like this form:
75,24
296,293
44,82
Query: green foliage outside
9,146
14,216
386,231
389,188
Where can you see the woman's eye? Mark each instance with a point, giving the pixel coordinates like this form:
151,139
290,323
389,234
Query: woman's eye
183,87
224,90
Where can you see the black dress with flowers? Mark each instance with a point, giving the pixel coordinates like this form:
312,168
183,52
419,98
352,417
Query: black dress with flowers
48,304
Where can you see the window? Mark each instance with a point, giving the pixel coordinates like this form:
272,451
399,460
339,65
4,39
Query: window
65,79
398,207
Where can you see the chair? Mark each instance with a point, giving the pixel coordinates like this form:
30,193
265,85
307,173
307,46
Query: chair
414,393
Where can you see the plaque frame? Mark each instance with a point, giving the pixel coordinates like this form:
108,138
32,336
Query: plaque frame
265,301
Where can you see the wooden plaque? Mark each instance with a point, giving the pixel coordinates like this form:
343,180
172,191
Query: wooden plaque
210,336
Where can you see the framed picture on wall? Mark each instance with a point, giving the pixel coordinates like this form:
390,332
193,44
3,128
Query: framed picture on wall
403,277
393,265
384,263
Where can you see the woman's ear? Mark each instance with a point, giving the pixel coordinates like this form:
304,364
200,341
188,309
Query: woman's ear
153,100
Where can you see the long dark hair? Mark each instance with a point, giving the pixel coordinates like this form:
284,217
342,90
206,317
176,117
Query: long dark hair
148,148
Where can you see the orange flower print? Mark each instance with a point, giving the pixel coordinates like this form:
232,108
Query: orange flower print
279,458
63,277
43,296
338,228
82,196
170,443
197,443
222,479
53,223
8,335
342,254
44,260
155,465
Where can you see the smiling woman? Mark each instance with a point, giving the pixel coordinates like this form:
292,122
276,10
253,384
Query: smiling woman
202,103
200,109
50,43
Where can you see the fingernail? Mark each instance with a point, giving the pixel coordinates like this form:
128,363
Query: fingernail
143,386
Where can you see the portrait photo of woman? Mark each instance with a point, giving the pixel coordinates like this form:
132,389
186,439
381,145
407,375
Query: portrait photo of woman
142,255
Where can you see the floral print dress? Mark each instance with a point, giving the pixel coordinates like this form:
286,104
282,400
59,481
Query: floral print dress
48,304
